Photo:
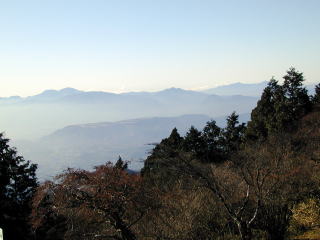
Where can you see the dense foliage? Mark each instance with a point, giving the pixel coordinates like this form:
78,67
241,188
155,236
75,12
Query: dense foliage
17,185
280,106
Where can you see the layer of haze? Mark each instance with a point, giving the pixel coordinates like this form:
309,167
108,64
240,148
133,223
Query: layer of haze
149,45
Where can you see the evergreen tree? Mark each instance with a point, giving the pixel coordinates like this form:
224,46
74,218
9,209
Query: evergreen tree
264,116
233,134
280,106
195,143
212,136
163,153
17,185
174,140
121,164
316,97
297,97
168,146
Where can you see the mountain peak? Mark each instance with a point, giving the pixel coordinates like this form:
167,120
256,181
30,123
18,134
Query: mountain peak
238,88
173,89
52,94
69,90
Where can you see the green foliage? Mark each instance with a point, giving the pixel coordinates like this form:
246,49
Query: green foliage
233,134
280,106
17,185
212,145
166,149
297,98
212,135
194,143
156,170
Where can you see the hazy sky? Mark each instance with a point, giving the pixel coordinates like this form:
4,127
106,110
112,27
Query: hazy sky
118,45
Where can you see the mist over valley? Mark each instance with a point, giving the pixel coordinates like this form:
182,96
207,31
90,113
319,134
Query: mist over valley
58,129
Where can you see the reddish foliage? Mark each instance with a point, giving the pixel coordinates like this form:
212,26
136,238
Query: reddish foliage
108,197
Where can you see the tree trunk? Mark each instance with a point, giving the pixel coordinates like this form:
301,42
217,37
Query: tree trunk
277,222
276,234
245,231
126,232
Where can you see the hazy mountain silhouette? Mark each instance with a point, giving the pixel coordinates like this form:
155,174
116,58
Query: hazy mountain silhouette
36,116
53,95
88,145
245,89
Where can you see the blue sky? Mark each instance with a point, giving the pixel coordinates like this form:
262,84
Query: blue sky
122,45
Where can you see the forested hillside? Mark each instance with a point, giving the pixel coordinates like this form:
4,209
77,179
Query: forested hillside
248,181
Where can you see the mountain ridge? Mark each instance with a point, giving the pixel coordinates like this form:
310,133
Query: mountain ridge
225,89
39,115
88,145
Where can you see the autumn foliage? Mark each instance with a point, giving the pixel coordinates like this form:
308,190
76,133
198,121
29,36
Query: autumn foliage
108,198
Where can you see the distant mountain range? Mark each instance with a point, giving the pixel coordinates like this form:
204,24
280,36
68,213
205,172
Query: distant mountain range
36,116
88,145
97,127
246,89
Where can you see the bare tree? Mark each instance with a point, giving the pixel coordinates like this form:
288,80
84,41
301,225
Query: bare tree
257,186
109,199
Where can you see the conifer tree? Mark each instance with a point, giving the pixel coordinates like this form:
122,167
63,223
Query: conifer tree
212,136
121,164
316,97
17,185
280,106
194,143
233,134
163,153
297,97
